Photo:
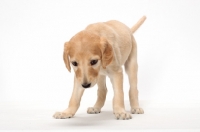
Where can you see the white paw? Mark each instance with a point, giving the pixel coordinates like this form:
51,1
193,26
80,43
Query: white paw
93,110
137,111
123,116
62,115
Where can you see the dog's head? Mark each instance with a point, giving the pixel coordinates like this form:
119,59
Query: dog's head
87,53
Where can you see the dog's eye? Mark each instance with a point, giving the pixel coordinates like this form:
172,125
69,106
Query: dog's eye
74,63
93,62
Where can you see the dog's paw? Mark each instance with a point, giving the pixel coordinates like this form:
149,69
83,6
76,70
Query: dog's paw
62,115
123,116
93,110
137,111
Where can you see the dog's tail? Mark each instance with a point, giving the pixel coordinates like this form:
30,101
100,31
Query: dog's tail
138,24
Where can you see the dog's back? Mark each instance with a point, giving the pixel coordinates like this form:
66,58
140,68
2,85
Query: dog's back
118,35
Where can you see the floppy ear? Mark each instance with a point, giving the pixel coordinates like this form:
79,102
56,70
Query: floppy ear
107,52
66,56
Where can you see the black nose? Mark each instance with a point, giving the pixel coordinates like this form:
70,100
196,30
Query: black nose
86,85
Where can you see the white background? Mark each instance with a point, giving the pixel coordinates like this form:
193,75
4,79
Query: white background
32,36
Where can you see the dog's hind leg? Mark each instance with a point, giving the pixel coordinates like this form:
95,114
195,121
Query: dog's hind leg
101,93
131,68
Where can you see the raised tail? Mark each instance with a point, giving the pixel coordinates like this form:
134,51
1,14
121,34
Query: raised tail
138,24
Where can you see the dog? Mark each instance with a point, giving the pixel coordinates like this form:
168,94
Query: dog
100,50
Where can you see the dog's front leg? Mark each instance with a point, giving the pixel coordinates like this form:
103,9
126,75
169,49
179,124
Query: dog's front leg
102,90
74,103
118,100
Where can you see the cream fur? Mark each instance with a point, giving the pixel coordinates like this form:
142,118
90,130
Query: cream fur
113,45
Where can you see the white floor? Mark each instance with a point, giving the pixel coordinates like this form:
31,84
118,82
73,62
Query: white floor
157,117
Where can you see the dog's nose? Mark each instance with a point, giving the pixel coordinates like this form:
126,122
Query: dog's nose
86,85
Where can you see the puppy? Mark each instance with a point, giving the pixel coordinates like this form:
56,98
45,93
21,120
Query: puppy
99,51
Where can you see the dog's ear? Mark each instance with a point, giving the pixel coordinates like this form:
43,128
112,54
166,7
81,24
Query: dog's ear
107,52
66,56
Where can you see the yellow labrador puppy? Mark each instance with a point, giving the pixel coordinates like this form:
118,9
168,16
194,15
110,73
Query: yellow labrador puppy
99,51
